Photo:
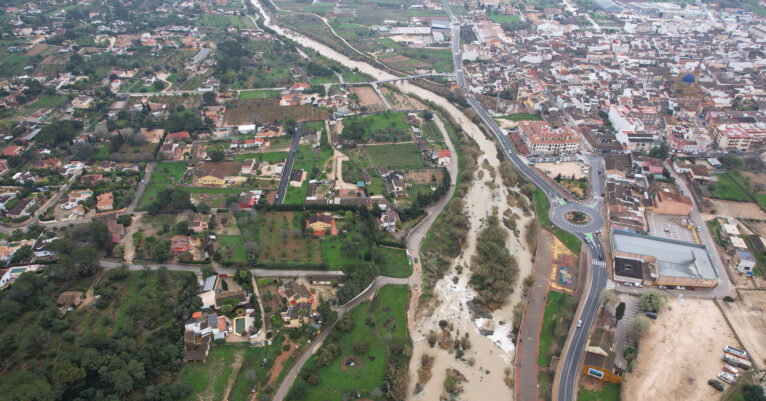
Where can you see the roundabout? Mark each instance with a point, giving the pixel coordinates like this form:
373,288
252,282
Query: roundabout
577,217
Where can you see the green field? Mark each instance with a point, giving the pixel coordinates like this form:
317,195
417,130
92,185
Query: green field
606,392
558,315
47,102
523,117
541,211
727,188
259,94
395,156
166,174
366,377
231,248
12,64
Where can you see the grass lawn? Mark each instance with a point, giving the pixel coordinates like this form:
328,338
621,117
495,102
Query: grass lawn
541,211
277,238
253,360
727,188
165,174
523,117
368,374
395,156
556,321
395,264
231,248
258,94
271,157
208,380
390,321
605,392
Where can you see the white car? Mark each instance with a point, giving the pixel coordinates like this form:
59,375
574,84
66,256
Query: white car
579,323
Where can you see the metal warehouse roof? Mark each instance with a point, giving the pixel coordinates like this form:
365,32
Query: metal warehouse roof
674,258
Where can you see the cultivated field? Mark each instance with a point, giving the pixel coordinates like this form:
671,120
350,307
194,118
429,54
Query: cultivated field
268,110
368,98
679,353
748,318
402,102
280,237
395,156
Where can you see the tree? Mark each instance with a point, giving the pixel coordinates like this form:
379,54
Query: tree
620,312
608,298
216,154
660,152
652,300
126,220
65,372
346,323
98,235
22,385
203,208
640,324
752,392
162,275
428,115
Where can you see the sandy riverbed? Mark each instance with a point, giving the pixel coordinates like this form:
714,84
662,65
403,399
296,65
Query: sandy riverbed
679,353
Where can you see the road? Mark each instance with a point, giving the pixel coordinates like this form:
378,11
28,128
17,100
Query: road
595,280
142,186
287,170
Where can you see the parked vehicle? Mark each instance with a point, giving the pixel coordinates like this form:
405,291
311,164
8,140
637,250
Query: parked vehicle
737,361
579,323
731,369
727,377
651,315
740,353
716,384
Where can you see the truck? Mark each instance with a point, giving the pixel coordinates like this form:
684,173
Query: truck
727,377
716,384
737,361
735,351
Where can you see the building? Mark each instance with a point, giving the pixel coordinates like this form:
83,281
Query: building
540,138
600,357
180,244
321,224
388,220
672,204
69,298
199,223
628,269
212,177
667,262
297,315
444,157
295,293
105,202
745,261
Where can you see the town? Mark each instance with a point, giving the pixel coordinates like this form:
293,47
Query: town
293,200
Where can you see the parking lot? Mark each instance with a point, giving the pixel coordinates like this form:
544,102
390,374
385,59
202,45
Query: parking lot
669,227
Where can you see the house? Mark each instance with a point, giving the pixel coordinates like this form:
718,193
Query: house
178,136
444,157
5,198
213,177
8,249
295,293
249,167
105,202
69,298
672,204
117,231
22,208
180,244
759,245
297,315
42,249
199,222
321,223
745,261
239,295
388,220
82,102
296,177
599,359
91,179
12,150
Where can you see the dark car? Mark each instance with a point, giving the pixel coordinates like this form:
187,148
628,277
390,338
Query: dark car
715,384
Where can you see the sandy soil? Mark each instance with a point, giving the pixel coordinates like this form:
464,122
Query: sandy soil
566,169
679,353
507,124
755,179
742,210
749,321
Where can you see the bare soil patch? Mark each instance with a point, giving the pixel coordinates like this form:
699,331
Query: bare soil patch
400,101
744,210
755,179
679,353
748,317
249,111
345,363
424,176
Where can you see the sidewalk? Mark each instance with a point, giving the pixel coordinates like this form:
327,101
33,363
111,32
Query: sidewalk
528,345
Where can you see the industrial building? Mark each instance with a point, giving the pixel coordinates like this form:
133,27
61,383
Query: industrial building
662,261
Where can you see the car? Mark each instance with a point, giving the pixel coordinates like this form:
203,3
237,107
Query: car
579,323
715,384
416,260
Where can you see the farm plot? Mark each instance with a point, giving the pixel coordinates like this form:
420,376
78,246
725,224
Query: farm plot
395,156
280,237
268,110
368,98
400,101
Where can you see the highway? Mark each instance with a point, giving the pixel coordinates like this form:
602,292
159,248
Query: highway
287,170
595,279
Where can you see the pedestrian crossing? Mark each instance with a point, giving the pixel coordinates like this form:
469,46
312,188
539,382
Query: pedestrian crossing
599,263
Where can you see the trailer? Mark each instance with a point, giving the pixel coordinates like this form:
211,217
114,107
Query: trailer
727,377
737,361
740,353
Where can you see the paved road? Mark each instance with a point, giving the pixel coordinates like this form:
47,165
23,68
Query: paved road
142,186
286,171
529,334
